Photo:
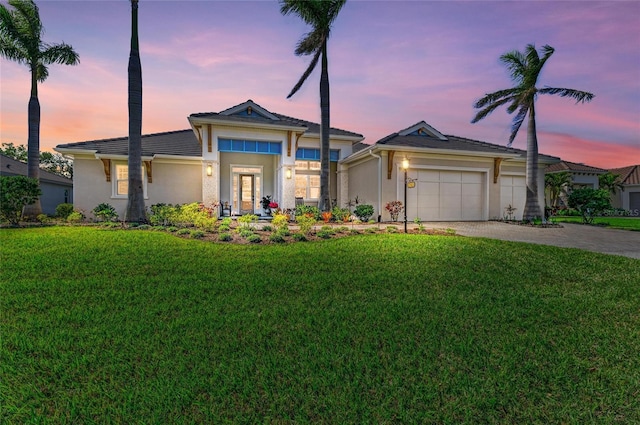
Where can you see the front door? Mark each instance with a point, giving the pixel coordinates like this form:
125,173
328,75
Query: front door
247,194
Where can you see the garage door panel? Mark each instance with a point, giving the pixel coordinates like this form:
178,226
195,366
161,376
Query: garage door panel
471,190
513,192
472,178
428,189
429,176
634,201
451,189
451,176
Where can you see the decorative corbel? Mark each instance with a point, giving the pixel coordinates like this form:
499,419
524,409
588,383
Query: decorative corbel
106,164
298,136
390,163
496,169
289,143
209,144
147,166
199,133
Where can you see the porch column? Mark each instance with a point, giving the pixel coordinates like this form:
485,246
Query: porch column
343,185
210,167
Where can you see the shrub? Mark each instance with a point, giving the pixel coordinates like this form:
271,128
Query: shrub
276,238
15,193
245,232
326,216
144,227
248,220
280,220
341,214
394,208
63,210
324,234
76,217
363,211
590,202
308,209
224,228
355,232
158,228
342,229
172,229
197,234
284,231
163,214
42,218
254,238
327,229
105,212
183,232
111,225
305,223
370,230
392,229
226,221
225,237
267,228
299,237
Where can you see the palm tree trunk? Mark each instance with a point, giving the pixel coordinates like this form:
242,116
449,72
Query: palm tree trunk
135,205
33,145
324,203
532,205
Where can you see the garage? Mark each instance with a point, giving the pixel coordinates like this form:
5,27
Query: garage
634,202
513,191
446,195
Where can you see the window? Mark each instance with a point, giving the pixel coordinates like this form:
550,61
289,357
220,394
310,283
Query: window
307,186
121,181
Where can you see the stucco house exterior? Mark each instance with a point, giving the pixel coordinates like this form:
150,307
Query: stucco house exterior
55,189
233,157
582,176
237,156
629,197
449,178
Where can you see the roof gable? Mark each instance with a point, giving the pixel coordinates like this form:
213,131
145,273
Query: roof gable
422,129
574,167
628,175
249,109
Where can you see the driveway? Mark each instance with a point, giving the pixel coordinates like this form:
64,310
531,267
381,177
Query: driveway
590,238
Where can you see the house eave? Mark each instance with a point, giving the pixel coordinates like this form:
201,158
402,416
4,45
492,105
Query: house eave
382,148
194,121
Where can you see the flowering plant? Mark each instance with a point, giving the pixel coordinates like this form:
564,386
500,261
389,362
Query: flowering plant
273,205
394,208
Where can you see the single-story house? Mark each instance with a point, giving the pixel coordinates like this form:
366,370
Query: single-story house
237,156
629,197
449,178
55,189
582,176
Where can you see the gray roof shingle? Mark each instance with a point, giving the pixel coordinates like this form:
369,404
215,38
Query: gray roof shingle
573,166
12,167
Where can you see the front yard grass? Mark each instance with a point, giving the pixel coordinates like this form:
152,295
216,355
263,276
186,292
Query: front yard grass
626,223
113,326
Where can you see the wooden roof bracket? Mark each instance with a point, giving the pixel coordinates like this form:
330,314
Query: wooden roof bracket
298,136
496,169
106,164
199,133
390,163
209,145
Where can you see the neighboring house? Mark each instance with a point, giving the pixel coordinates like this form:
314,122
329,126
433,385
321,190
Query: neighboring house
234,157
629,197
582,176
55,189
451,178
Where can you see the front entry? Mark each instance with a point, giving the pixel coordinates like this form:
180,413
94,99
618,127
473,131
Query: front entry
247,194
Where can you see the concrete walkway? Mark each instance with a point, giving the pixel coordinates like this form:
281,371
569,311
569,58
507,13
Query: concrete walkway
590,238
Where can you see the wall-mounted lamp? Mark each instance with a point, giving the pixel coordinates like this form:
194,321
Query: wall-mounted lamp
288,173
209,170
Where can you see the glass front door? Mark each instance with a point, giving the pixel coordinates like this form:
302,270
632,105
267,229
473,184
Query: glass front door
247,194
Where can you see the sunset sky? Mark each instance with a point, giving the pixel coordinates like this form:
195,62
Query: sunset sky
391,64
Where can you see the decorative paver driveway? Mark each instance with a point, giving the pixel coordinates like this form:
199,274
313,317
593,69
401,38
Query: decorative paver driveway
590,238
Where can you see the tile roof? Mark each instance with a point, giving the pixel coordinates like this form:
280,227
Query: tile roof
181,143
628,175
575,167
12,167
453,143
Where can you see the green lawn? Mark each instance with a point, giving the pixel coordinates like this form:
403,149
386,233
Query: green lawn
627,223
113,326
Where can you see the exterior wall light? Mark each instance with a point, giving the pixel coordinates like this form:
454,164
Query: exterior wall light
209,169
288,173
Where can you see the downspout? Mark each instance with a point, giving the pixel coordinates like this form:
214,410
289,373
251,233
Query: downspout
379,183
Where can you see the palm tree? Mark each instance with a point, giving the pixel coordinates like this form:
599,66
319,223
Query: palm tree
21,41
525,68
320,14
135,202
556,183
610,182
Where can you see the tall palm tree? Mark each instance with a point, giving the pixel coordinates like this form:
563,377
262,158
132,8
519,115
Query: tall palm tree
320,14
556,183
21,41
135,201
525,68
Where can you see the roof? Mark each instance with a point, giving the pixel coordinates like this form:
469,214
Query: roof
422,135
573,167
181,143
251,112
628,175
13,167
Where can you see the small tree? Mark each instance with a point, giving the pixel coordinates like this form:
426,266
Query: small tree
590,202
15,193
610,182
556,183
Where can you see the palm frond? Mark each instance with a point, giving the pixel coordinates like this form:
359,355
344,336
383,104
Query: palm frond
579,96
310,43
306,73
489,109
60,53
515,62
517,123
494,97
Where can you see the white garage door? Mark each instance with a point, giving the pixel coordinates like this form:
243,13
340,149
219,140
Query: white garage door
513,191
446,196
